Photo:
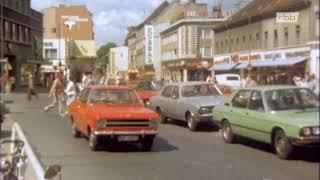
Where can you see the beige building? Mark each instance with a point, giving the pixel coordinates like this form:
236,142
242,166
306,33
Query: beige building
69,39
147,34
187,48
265,44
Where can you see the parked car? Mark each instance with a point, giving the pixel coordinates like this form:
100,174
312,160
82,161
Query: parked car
148,88
113,113
284,116
232,80
190,101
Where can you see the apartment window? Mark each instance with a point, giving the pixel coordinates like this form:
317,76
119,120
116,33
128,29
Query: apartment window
191,13
50,53
206,52
6,30
206,33
244,42
250,42
221,46
17,33
257,41
53,30
231,45
298,34
237,46
275,38
227,45
23,34
26,32
286,36
266,39
217,47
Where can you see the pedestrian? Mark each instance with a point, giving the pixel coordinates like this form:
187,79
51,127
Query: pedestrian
83,80
4,80
31,91
56,92
313,84
71,92
250,82
88,80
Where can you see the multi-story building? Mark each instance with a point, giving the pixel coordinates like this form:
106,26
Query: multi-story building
260,40
118,62
21,40
144,40
187,48
69,38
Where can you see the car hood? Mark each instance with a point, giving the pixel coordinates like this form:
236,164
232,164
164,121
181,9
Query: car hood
301,118
204,101
123,112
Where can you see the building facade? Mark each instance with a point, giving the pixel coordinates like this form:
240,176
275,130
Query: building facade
143,40
69,39
187,48
118,62
21,40
256,41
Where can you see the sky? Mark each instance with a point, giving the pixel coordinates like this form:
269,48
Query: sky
112,17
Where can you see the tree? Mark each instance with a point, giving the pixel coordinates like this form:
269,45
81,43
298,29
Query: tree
103,56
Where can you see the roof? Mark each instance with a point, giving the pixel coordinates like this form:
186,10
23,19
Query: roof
102,87
271,87
190,83
259,9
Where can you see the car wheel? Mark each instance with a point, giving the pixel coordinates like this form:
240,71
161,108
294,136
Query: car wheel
75,131
282,145
93,142
163,118
192,125
227,133
147,143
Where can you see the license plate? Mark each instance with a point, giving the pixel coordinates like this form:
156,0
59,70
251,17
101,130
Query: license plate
128,138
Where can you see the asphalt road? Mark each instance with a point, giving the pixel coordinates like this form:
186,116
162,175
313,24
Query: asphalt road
177,152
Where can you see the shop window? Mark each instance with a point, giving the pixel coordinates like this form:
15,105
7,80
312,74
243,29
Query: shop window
266,39
286,36
275,38
298,34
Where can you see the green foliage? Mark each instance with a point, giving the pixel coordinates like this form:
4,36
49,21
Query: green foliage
103,57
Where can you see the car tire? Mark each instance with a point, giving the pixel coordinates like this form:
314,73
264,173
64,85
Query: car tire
93,141
163,118
147,143
192,125
282,145
75,132
227,134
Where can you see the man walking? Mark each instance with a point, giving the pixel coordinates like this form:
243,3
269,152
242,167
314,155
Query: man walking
56,92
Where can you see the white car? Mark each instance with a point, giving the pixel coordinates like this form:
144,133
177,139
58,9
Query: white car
232,80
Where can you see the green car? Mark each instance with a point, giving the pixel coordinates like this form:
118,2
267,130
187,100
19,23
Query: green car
283,116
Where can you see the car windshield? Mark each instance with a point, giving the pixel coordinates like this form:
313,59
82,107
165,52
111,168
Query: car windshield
287,99
199,90
151,85
107,96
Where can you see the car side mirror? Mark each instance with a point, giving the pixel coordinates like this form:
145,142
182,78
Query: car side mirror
227,104
175,97
52,171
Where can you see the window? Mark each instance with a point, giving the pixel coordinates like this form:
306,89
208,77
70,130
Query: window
275,38
206,33
256,102
175,94
167,92
17,33
286,36
241,99
257,41
237,47
191,13
206,52
317,31
298,34
23,35
6,32
266,39
13,31
50,53
231,45
53,30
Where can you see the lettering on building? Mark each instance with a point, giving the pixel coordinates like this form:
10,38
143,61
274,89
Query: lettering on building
149,43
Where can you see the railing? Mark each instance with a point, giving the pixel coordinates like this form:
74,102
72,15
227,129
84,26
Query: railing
31,168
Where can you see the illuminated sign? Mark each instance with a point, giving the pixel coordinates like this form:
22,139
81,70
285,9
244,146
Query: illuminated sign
149,43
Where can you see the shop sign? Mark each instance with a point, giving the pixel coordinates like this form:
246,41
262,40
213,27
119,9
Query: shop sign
237,58
149,43
287,17
272,56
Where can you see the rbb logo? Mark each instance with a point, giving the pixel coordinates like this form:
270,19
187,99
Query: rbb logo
287,17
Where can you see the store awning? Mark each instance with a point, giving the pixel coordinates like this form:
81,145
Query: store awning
223,67
273,63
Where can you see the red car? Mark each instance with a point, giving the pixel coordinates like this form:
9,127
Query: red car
148,88
113,114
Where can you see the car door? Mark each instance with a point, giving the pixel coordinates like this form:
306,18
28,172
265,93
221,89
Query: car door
82,110
237,112
165,100
258,125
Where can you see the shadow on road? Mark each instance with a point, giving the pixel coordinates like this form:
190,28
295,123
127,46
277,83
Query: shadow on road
202,127
304,154
160,145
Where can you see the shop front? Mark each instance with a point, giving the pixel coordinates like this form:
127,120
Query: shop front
276,66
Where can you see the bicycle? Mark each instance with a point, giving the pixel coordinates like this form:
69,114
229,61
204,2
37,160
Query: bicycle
10,162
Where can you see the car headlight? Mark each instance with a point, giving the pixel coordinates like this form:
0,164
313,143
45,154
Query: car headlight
316,131
306,131
205,110
154,124
102,123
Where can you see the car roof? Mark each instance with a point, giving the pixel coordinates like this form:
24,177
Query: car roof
271,87
111,87
189,83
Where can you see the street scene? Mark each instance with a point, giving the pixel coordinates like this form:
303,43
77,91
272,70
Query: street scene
176,89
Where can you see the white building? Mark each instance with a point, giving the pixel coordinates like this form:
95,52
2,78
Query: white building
118,61
54,52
